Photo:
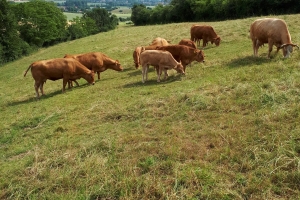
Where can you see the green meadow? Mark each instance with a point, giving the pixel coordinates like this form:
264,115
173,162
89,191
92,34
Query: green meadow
228,129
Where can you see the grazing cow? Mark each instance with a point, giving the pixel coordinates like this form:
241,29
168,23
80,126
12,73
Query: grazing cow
137,52
163,60
160,42
274,32
184,54
206,33
188,42
59,68
96,61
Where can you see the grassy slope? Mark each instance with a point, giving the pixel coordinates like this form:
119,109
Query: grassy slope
229,129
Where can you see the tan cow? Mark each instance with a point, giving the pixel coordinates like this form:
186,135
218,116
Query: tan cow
163,60
188,42
137,52
206,33
274,32
184,54
59,68
160,42
96,61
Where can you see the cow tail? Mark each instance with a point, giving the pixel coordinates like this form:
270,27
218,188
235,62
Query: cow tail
27,70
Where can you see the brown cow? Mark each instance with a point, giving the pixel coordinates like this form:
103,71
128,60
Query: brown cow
163,60
96,61
274,32
188,42
160,42
59,68
184,54
206,33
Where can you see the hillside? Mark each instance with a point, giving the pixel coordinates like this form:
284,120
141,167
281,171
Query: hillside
228,129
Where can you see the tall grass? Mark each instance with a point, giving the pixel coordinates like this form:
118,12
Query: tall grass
228,129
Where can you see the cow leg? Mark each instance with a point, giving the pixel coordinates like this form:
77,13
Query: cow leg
270,48
144,73
77,84
166,73
159,73
65,81
36,87
254,46
70,84
98,75
204,42
42,88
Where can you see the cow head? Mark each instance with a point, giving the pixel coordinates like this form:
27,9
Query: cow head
200,55
89,77
217,41
179,68
117,66
288,49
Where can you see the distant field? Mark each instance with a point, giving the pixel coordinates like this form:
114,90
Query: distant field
122,11
70,16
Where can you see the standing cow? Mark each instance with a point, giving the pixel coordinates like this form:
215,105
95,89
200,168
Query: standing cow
274,32
162,60
60,68
184,54
96,61
206,33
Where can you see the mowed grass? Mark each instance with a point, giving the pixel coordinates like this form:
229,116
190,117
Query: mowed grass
228,129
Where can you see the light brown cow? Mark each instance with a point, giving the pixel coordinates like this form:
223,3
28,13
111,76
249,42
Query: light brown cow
184,54
137,52
59,68
205,32
274,32
160,42
162,59
188,42
96,61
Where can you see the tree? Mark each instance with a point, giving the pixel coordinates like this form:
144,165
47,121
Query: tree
104,21
81,27
41,23
140,15
11,46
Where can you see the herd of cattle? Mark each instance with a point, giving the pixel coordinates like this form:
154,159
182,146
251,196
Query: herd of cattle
160,54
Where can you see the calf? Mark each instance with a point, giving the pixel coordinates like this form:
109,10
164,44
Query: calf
184,54
60,68
162,60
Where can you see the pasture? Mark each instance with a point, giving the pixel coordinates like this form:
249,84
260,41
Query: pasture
228,129
71,16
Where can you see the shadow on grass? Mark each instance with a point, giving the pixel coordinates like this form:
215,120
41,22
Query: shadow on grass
153,81
46,96
247,61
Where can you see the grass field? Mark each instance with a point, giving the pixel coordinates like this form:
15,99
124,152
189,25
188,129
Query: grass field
228,129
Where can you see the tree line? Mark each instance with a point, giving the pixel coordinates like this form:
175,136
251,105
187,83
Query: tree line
210,10
25,27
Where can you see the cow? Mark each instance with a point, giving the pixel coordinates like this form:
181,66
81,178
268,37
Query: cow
163,60
184,54
96,61
160,42
274,32
60,68
206,33
137,52
188,42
